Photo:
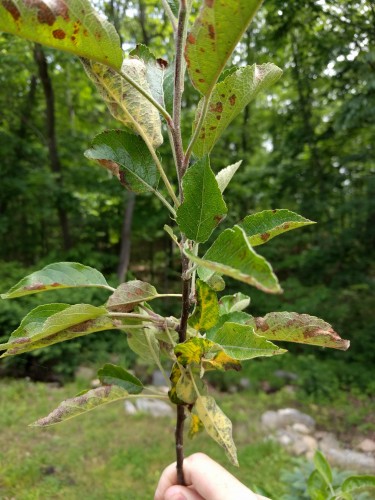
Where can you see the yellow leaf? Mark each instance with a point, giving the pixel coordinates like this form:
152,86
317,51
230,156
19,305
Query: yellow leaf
206,312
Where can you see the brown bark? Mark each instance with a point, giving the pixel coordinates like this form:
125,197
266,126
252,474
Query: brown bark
54,159
126,238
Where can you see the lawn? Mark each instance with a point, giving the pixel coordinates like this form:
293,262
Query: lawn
106,454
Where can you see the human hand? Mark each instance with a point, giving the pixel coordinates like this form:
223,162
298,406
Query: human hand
205,479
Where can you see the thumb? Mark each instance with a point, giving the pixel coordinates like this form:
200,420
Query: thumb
181,493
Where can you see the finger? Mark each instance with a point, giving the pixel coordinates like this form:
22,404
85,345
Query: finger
167,479
181,493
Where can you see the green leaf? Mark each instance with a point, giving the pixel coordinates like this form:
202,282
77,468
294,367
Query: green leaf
136,167
216,282
57,276
225,175
228,99
323,467
233,303
300,328
52,323
353,483
203,207
263,226
316,487
217,425
206,312
74,407
129,294
241,342
168,88
213,37
233,317
116,375
231,254
73,27
143,342
125,102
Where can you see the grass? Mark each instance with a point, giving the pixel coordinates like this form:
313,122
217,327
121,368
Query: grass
106,454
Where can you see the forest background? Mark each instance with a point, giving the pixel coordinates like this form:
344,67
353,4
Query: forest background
308,145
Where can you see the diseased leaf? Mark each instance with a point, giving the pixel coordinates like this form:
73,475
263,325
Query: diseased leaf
52,323
111,374
135,166
217,425
233,303
221,361
323,467
126,103
73,27
193,350
263,226
353,483
216,282
155,71
228,99
241,342
213,37
195,426
185,388
203,207
55,277
225,175
206,312
300,328
143,342
129,294
174,378
81,404
231,254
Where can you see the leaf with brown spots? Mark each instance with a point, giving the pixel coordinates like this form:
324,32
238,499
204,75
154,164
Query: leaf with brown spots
49,324
263,226
124,102
71,26
206,312
129,294
300,328
136,167
55,277
232,255
228,99
88,401
203,207
213,37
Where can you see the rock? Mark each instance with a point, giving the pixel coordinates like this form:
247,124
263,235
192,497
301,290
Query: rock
154,407
84,373
310,442
244,383
327,440
232,389
367,445
350,460
287,416
158,378
285,375
129,408
95,383
301,428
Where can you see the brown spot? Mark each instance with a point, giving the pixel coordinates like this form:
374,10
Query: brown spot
202,49
211,31
213,127
232,99
47,14
274,211
98,35
59,34
222,95
162,63
265,236
111,166
218,218
218,117
217,108
21,340
197,70
81,327
286,225
202,136
12,9
76,26
35,286
210,3
85,32
261,324
55,284
73,38
191,38
201,80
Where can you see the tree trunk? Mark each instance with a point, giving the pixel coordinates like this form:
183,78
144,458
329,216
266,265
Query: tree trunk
54,159
126,238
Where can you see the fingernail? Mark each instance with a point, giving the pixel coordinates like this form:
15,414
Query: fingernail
179,496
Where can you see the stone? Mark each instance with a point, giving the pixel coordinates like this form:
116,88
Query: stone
367,445
129,408
350,460
327,440
158,378
273,420
285,375
301,428
244,383
154,407
84,373
310,442
95,383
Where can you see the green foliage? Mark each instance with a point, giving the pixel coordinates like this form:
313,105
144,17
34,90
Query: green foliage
133,90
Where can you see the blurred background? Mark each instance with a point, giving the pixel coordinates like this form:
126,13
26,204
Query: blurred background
308,145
